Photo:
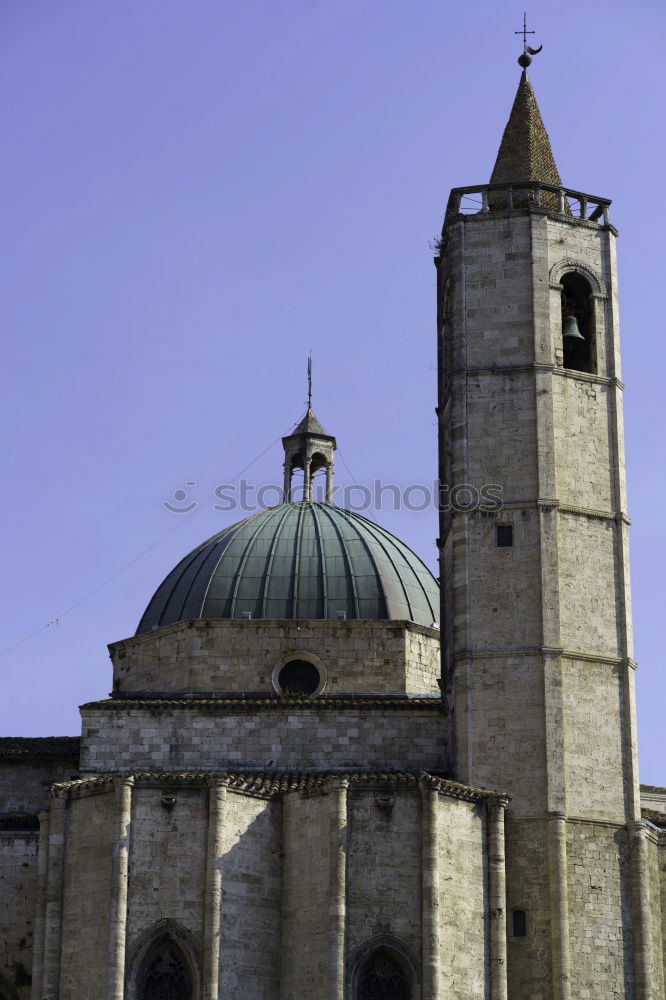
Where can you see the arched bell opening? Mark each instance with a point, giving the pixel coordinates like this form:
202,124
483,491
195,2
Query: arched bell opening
320,477
308,477
578,342
295,478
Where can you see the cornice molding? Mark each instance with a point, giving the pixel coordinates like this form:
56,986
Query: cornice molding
272,784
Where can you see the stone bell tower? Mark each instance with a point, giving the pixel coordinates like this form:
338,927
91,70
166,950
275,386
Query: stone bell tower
536,618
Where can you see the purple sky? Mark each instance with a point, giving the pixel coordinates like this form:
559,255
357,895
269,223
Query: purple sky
194,195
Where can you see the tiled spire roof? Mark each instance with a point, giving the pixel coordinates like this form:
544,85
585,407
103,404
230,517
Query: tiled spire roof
525,152
310,425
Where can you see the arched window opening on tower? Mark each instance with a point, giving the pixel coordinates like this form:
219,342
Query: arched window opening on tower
383,978
296,475
577,324
318,476
519,923
165,973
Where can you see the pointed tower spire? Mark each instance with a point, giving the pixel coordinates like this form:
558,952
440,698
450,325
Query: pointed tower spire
309,448
525,153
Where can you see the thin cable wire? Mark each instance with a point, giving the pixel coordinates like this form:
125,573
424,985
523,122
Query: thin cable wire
355,480
58,618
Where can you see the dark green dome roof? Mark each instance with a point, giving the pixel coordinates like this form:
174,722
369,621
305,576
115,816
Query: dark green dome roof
298,560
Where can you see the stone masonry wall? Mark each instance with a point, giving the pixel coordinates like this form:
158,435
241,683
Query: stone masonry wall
279,879
87,894
505,612
528,958
498,410
589,619
384,868
18,900
499,712
657,876
422,657
654,799
236,656
171,738
305,896
583,444
599,911
384,878
660,928
488,432
167,871
463,903
497,293
594,704
24,787
167,860
251,889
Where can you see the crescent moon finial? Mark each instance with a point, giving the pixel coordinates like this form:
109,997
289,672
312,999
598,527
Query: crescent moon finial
525,58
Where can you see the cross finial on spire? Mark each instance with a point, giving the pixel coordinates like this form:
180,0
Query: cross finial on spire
526,58
523,31
310,448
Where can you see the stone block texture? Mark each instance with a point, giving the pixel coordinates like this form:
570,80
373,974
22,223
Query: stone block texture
181,735
240,656
277,866
86,897
18,902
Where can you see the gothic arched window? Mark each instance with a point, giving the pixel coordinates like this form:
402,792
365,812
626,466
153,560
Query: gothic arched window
383,979
165,974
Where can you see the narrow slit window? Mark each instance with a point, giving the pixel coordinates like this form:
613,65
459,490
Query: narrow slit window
519,923
504,536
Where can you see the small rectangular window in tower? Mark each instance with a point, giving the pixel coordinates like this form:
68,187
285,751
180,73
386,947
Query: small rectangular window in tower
519,923
504,535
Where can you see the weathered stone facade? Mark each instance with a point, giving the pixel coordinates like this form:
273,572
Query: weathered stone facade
536,627
240,656
283,809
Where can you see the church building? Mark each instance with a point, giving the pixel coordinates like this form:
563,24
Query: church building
318,773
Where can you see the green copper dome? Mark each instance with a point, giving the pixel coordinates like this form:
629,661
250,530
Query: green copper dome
298,560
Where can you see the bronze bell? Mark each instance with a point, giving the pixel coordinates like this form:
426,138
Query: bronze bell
571,329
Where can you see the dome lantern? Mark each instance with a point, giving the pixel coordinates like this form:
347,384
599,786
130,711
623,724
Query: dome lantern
309,448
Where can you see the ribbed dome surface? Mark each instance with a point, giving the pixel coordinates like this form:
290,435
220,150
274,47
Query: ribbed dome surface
298,560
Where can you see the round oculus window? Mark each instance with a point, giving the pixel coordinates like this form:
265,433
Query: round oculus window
299,677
